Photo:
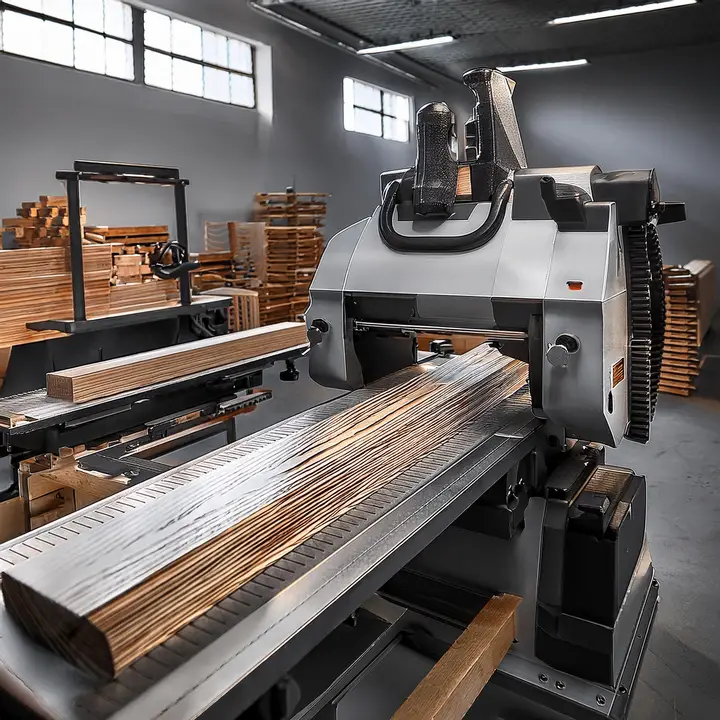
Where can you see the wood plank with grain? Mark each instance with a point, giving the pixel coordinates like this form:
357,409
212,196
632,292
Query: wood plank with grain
448,691
112,377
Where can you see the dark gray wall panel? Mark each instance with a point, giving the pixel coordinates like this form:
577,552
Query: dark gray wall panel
657,109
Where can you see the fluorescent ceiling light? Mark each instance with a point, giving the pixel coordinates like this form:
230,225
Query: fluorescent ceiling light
407,45
544,66
649,7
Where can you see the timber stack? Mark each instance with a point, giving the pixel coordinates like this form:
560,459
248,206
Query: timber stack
36,284
216,269
36,279
293,246
42,223
276,256
689,303
133,285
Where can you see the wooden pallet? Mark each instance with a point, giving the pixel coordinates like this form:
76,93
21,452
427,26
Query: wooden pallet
689,303
276,255
245,309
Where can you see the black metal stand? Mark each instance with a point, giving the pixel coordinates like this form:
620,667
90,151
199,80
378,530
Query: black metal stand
104,172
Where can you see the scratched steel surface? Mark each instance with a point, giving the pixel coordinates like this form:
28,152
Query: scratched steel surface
60,691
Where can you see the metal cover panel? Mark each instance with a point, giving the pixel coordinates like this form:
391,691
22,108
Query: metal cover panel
375,268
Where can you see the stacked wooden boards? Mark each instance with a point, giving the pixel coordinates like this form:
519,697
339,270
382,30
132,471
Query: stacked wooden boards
704,273
111,377
36,284
166,564
42,223
216,268
293,245
689,305
132,235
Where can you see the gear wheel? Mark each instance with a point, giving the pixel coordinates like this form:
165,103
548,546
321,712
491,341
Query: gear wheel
647,326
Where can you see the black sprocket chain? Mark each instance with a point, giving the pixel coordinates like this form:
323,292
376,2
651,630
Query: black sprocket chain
646,292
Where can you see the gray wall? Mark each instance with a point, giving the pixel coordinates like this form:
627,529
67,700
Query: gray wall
659,109
51,116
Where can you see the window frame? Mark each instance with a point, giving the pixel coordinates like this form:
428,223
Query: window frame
202,63
381,112
73,26
138,49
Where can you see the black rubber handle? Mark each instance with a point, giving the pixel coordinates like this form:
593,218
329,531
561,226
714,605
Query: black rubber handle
178,264
436,169
437,244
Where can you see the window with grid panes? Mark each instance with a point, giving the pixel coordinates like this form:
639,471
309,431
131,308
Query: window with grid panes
190,59
375,111
91,35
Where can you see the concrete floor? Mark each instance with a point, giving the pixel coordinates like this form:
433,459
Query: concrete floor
680,678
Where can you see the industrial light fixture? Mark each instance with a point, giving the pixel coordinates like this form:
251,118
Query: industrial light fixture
441,40
544,66
648,7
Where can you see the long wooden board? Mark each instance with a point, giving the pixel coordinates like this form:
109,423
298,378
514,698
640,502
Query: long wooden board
448,691
165,565
111,377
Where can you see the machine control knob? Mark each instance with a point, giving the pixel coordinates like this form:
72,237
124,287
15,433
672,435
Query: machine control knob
559,353
317,330
558,356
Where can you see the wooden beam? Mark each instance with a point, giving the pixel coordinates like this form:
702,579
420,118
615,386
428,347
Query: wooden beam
169,562
448,691
111,377
12,518
95,484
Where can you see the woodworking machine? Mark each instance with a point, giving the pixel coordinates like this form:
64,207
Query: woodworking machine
559,267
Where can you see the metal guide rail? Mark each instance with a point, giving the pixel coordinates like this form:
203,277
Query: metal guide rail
27,412
221,663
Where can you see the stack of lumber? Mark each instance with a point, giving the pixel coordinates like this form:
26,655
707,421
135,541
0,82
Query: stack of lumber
705,274
134,287
130,266
689,304
293,243
44,223
277,255
111,377
291,207
130,297
215,268
36,284
170,561
141,237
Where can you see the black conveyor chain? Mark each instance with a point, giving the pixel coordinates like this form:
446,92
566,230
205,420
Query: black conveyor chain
647,326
